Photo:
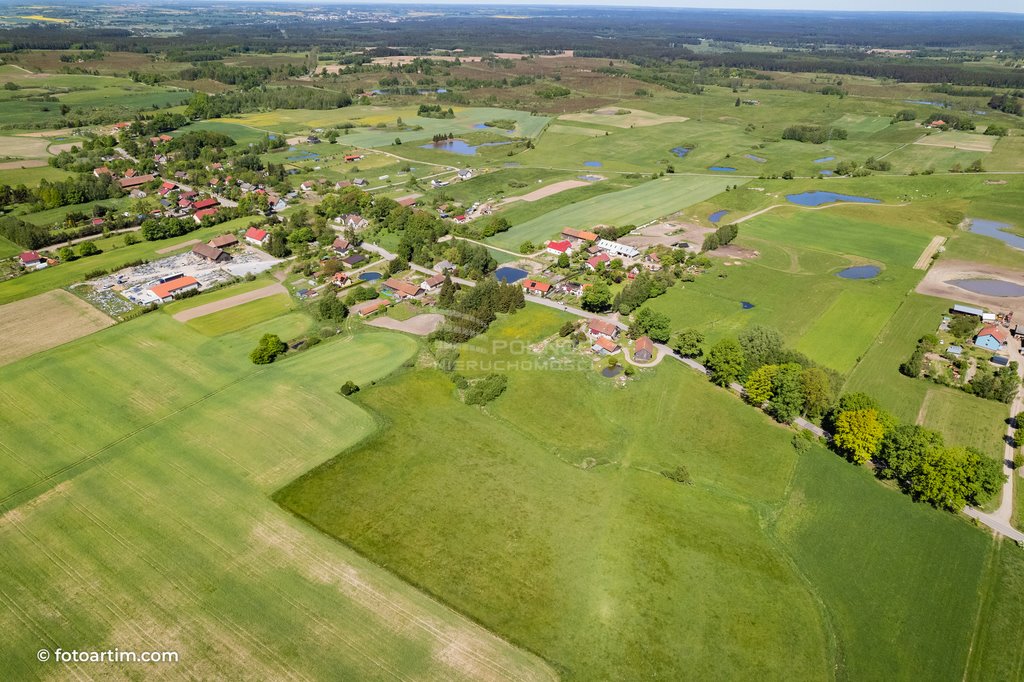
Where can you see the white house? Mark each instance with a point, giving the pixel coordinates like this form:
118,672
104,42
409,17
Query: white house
256,236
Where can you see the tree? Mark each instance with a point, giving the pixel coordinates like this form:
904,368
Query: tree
88,249
331,308
761,346
950,478
647,322
963,326
787,400
903,450
66,254
859,434
596,297
447,296
759,387
267,350
397,265
689,343
725,362
817,391
563,260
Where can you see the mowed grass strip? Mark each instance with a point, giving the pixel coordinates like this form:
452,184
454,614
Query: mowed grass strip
241,316
635,206
169,539
44,321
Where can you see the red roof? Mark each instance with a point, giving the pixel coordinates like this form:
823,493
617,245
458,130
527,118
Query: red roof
602,327
644,343
205,203
134,181
593,261
580,234
401,286
407,201
167,288
184,203
607,344
256,233
353,157
168,185
202,214
998,333
533,285
561,246
27,257
102,170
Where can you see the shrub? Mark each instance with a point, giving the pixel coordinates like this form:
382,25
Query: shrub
487,389
348,388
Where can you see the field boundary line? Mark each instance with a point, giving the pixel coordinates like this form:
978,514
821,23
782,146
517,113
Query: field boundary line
924,260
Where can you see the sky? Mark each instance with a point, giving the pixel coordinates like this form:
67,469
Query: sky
820,5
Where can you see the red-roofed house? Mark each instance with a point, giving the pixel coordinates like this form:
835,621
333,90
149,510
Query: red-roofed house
205,203
643,351
128,182
352,157
102,170
560,247
402,288
601,328
32,259
581,235
604,346
341,245
408,202
536,288
255,235
937,123
431,283
992,337
162,293
594,261
199,215
340,278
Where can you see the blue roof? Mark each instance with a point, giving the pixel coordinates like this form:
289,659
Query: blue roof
1001,360
956,350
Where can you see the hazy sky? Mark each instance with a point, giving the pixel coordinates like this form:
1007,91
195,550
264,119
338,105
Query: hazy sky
826,5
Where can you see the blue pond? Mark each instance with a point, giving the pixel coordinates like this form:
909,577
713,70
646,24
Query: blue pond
989,287
305,156
861,272
992,228
509,275
592,164
370,276
747,305
460,146
716,216
756,159
821,198
825,159
611,372
943,105
681,151
722,169
826,172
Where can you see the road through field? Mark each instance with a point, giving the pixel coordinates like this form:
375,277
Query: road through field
929,251
224,304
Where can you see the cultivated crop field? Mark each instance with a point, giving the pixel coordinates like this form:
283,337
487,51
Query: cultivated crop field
44,321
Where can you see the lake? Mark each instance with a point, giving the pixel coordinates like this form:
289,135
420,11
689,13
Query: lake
460,146
989,287
593,164
509,275
860,272
825,159
680,151
821,198
994,228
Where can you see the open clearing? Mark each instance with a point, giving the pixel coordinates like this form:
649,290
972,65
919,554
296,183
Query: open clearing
548,191
231,302
44,321
153,530
26,163
956,139
579,549
420,325
635,118
23,146
935,284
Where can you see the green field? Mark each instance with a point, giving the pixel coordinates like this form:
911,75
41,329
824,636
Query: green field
634,206
154,502
578,549
241,316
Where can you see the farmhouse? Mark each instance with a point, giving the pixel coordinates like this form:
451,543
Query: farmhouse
161,293
255,235
401,288
354,221
644,349
594,261
210,253
991,337
560,247
431,283
570,288
535,288
598,328
199,215
102,170
31,259
604,346
617,248
579,235
224,241
134,181
209,202
408,202
341,245
370,307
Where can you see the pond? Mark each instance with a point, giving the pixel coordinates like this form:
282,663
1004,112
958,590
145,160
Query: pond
722,169
460,146
826,172
716,216
825,159
370,276
590,178
305,156
593,164
821,198
860,272
994,228
611,372
989,287
746,305
509,275
681,151
756,159
942,105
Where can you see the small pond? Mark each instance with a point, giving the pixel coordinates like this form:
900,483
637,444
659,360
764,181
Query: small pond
942,105
716,216
681,151
821,198
825,159
860,272
509,275
826,172
756,159
989,287
722,169
460,146
993,228
305,156
370,276
746,305
611,372
593,164
590,178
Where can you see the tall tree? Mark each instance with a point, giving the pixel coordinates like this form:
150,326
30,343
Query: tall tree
859,434
725,362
